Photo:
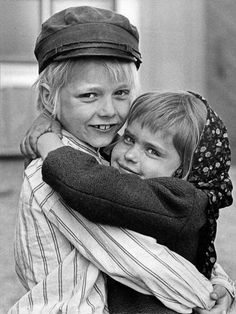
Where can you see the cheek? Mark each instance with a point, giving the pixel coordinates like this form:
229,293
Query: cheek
75,114
123,110
150,169
117,153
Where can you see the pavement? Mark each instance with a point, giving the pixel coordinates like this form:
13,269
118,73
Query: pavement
11,170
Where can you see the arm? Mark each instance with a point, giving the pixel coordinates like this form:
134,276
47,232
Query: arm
221,280
43,123
136,261
69,158
223,293
104,196
132,259
219,277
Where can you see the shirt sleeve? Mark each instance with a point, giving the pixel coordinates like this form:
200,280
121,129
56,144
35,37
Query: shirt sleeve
135,260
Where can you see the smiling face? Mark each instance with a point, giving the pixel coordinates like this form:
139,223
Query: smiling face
94,103
145,153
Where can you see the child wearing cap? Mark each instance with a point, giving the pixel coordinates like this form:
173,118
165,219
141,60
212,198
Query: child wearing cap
85,79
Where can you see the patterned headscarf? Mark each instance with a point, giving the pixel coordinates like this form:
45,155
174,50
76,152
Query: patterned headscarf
210,173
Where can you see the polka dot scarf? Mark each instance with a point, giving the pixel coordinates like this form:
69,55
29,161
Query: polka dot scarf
210,173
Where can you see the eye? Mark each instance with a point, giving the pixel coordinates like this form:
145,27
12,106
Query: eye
153,152
87,96
122,93
128,139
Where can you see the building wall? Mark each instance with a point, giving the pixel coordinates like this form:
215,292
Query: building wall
191,45
172,37
221,62
188,45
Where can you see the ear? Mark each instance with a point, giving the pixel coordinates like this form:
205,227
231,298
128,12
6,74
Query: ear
45,94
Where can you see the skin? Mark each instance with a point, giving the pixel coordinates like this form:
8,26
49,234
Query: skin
95,106
135,153
144,153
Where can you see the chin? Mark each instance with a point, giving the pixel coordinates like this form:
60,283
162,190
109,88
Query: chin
96,143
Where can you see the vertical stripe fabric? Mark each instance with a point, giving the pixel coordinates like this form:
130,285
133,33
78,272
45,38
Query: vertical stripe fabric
62,259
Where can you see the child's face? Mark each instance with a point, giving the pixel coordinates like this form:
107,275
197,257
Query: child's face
145,154
93,106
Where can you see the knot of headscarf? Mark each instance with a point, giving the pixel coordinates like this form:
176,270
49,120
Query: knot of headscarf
210,173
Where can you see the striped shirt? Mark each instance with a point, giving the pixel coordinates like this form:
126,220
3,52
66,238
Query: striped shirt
62,258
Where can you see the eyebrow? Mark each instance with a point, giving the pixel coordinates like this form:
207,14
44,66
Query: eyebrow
84,88
158,148
154,146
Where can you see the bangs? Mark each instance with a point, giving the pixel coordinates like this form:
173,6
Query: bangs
123,71
154,111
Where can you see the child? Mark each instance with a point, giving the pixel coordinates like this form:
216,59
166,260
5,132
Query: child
168,135
88,60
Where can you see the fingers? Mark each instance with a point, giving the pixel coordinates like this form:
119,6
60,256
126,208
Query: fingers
27,161
28,145
31,143
218,292
197,310
56,128
26,148
44,123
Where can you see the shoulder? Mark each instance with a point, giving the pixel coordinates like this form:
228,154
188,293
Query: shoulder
33,185
34,167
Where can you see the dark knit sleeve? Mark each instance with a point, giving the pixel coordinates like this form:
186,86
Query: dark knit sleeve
105,196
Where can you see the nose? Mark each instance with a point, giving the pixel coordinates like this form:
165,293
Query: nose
107,107
132,154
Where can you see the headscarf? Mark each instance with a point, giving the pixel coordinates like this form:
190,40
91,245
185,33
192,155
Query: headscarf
210,173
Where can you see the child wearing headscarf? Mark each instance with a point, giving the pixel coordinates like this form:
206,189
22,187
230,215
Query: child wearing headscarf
178,209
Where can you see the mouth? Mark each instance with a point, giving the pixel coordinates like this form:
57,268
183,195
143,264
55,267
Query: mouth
104,127
124,169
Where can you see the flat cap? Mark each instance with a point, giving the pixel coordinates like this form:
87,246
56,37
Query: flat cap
86,31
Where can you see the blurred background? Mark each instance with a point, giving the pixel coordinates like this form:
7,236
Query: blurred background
185,44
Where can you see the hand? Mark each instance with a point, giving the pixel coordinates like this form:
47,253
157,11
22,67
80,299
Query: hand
48,142
44,123
223,301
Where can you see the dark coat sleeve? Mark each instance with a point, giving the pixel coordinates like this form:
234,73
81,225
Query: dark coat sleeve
167,209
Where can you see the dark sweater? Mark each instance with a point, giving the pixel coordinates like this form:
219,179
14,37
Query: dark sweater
168,209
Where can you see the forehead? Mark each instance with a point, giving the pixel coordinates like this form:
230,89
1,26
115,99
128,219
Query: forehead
147,134
97,70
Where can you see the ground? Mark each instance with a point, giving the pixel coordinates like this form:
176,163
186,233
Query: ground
10,180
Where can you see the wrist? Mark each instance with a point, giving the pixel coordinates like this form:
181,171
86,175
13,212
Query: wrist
48,142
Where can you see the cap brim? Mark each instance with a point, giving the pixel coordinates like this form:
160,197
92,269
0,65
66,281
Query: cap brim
99,52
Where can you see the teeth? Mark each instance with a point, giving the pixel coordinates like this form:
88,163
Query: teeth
102,127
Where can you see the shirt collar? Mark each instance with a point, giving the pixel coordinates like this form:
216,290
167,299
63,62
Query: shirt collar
70,140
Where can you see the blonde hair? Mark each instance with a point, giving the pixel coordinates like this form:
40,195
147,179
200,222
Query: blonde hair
57,75
178,112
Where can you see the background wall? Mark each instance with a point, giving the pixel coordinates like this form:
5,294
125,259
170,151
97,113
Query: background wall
187,45
220,65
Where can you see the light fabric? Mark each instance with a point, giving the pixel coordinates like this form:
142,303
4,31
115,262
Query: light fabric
59,253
